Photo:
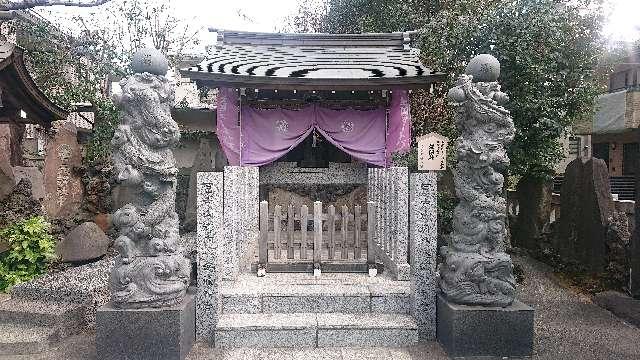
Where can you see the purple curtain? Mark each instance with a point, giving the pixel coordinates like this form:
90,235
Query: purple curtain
399,127
268,134
358,133
227,127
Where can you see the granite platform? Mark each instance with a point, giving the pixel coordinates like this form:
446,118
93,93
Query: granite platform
146,334
466,331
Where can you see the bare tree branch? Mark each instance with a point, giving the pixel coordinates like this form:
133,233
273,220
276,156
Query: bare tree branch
6,5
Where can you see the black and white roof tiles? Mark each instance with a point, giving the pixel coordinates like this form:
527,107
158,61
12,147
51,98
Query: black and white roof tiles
313,62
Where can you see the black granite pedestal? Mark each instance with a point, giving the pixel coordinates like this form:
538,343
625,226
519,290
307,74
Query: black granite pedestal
485,331
141,334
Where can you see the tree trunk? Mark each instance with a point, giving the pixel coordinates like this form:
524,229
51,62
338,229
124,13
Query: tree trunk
534,198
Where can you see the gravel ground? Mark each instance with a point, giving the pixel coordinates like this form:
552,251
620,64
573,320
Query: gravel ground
568,326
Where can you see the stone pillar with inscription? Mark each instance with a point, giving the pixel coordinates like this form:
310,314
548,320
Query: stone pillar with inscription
151,314
63,187
477,311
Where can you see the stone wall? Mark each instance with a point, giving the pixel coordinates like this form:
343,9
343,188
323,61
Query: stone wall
389,189
339,184
286,173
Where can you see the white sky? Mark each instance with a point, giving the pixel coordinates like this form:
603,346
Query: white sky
268,15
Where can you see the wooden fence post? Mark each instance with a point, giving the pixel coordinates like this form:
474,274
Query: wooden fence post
317,236
357,224
332,231
263,250
304,222
290,222
276,231
344,253
371,238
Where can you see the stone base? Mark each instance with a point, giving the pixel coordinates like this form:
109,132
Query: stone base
485,331
164,333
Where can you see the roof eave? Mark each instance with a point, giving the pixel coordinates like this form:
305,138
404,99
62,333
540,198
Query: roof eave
13,69
288,83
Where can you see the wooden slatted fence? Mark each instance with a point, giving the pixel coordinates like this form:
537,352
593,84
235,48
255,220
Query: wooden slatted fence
342,241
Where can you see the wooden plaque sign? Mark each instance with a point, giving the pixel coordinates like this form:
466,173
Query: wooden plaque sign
432,152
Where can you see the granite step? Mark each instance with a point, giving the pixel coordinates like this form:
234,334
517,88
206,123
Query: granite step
315,330
24,339
39,313
301,293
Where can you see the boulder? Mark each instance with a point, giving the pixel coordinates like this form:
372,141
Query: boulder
620,305
7,179
86,242
534,199
103,221
634,248
34,176
11,143
586,206
19,205
204,162
63,187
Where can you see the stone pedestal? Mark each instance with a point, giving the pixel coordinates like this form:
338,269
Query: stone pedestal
162,333
485,331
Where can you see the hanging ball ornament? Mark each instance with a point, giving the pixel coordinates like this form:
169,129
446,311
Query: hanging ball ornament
484,68
149,60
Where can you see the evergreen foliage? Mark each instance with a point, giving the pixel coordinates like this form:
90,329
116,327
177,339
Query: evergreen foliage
31,248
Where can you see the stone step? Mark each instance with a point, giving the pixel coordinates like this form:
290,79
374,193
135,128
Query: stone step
301,293
24,339
39,313
315,330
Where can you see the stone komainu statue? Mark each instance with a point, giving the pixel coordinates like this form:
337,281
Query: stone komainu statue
476,270
151,270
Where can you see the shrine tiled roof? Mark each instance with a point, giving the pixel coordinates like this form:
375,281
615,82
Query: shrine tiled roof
313,61
20,92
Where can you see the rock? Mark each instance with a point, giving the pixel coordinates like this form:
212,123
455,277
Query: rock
5,143
586,206
19,205
617,242
97,188
204,162
534,199
620,305
34,176
103,221
64,191
634,248
85,242
11,143
7,180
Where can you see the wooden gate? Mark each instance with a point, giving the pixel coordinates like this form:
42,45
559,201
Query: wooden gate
295,240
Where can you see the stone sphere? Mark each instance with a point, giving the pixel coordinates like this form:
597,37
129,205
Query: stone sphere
149,60
484,68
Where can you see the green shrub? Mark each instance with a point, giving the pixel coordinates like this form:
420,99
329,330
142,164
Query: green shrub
31,248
